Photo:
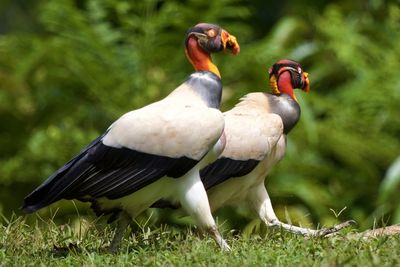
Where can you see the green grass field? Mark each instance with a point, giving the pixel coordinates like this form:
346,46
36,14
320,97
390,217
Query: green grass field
83,243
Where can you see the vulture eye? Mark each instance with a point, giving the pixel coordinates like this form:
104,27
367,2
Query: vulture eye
211,33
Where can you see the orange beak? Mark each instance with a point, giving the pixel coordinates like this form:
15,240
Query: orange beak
230,42
306,87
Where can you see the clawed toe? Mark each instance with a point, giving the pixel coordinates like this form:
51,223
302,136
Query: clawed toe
331,231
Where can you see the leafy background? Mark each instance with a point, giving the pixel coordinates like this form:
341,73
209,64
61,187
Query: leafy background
70,68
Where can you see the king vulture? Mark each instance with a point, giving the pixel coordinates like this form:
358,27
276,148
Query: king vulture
255,141
154,152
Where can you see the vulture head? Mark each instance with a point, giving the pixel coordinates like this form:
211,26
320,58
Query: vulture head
286,75
212,38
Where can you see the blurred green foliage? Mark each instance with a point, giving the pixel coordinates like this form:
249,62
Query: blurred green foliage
70,68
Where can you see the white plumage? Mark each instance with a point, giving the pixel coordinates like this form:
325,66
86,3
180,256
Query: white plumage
250,130
179,125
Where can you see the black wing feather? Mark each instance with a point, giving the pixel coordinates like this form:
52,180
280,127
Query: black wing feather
104,171
224,168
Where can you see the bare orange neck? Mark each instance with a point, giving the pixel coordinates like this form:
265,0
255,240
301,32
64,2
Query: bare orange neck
200,59
285,85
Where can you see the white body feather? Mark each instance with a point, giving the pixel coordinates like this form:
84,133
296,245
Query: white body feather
252,132
177,126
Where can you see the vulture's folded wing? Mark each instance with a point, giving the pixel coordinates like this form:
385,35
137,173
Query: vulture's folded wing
161,139
249,139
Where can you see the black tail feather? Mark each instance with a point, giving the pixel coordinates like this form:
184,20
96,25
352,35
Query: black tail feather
105,171
49,191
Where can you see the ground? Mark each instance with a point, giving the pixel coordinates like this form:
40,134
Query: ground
81,243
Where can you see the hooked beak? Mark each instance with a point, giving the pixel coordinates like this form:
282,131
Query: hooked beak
306,87
230,42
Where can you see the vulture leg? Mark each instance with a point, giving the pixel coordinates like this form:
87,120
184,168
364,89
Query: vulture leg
194,200
213,231
261,203
123,223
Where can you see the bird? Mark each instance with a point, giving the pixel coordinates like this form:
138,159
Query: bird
255,137
154,152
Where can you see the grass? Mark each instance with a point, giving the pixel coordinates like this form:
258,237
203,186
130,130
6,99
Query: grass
83,243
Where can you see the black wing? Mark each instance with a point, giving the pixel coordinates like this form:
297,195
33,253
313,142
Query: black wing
104,171
224,168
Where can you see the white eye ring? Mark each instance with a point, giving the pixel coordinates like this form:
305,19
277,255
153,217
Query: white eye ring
211,33
299,69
